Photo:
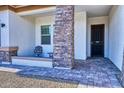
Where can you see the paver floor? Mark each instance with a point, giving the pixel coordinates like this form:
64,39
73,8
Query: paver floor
97,73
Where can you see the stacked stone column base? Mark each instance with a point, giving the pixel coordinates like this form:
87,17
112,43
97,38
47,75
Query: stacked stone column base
7,52
63,55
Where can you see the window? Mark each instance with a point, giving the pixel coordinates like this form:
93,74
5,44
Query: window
45,34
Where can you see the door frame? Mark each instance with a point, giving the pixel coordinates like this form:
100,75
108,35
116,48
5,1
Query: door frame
95,21
91,40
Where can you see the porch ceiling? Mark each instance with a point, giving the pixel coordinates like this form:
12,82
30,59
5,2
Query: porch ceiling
92,11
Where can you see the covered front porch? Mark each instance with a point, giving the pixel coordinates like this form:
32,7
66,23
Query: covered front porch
66,31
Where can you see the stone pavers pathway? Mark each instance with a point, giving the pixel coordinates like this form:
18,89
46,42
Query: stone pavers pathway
90,73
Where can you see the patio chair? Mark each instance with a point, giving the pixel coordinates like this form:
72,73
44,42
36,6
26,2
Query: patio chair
38,50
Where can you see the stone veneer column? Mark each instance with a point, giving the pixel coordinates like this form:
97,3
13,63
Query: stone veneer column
63,53
6,53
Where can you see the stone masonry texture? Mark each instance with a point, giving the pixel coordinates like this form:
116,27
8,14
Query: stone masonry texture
63,55
7,53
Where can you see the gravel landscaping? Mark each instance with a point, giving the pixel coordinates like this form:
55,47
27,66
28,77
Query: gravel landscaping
11,80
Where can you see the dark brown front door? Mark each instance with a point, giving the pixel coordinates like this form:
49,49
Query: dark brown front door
97,40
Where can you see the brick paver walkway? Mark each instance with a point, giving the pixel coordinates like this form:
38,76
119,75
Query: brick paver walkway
90,73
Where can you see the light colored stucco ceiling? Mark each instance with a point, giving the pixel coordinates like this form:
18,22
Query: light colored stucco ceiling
92,10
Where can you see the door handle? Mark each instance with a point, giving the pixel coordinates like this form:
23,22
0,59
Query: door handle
97,42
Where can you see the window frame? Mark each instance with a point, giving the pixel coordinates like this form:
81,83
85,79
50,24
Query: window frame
45,34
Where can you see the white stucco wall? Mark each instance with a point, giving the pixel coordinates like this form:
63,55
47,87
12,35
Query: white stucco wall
116,35
97,20
21,34
44,20
4,18
79,34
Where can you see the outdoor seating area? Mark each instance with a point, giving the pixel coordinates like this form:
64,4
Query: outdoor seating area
37,60
38,52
